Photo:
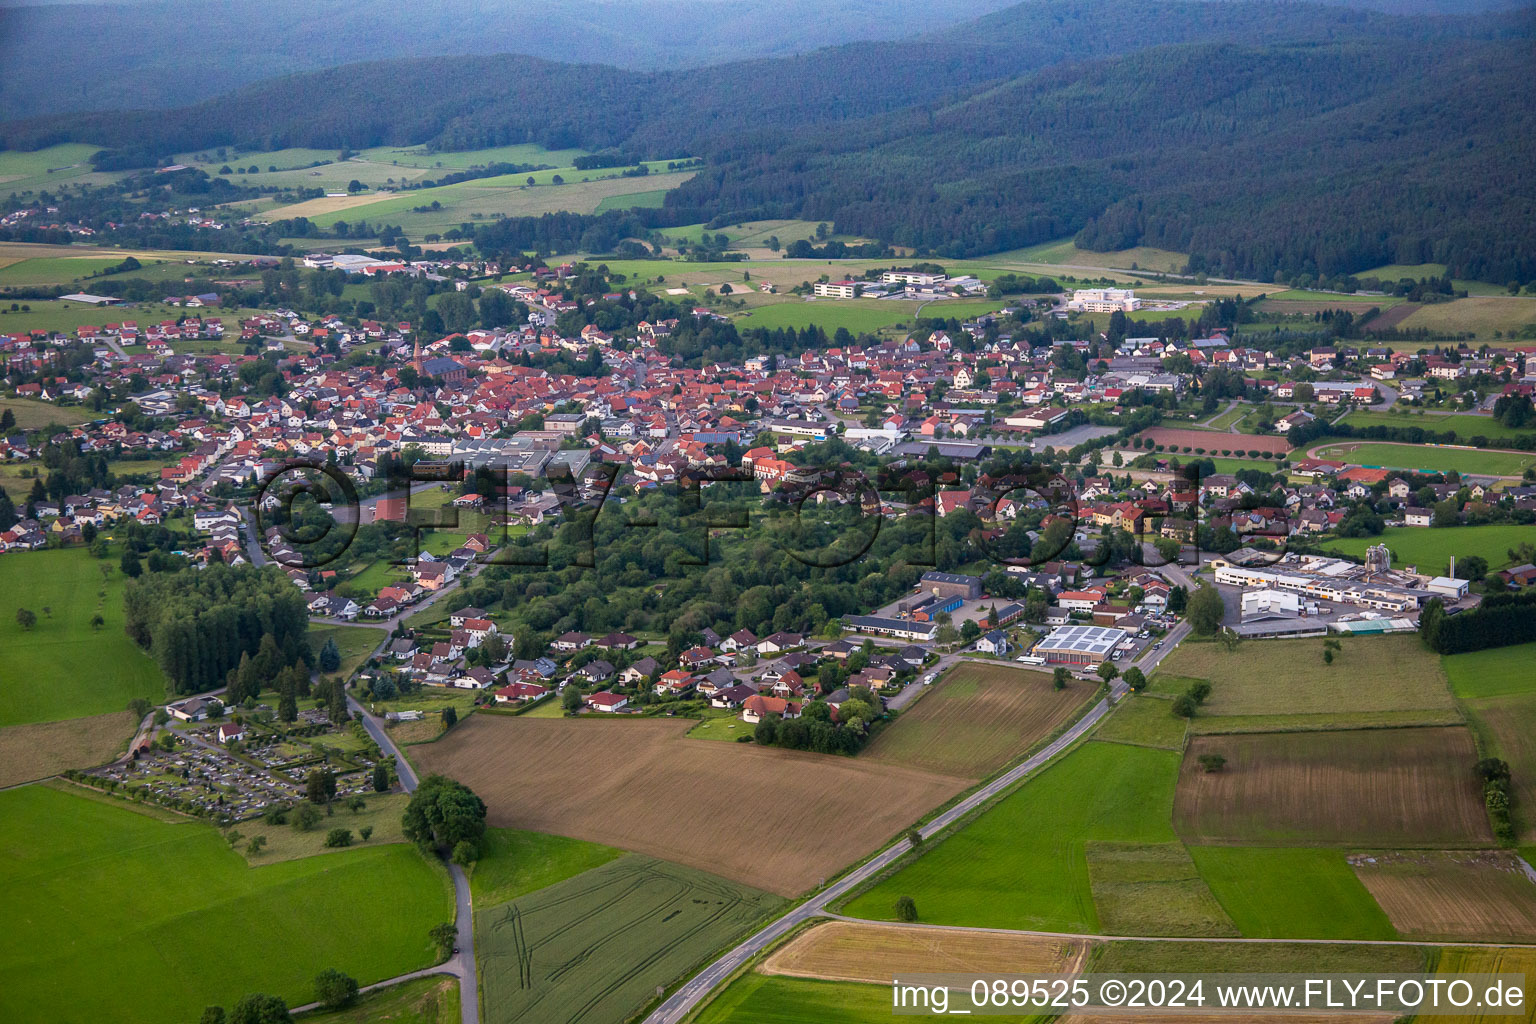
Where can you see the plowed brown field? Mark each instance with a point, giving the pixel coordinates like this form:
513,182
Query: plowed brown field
776,819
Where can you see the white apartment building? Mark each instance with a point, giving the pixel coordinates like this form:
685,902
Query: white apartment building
1104,300
919,277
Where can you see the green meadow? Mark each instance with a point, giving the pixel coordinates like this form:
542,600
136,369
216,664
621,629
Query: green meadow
1428,458
1023,863
771,999
1430,548
514,863
1496,672
63,667
857,315
114,915
1466,425
1291,893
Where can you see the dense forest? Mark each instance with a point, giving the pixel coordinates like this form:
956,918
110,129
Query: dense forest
1266,140
199,624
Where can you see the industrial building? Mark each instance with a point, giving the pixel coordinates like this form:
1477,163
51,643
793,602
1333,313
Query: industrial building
951,584
1333,580
902,629
1079,645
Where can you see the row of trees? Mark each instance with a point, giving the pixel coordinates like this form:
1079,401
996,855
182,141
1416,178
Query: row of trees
1500,621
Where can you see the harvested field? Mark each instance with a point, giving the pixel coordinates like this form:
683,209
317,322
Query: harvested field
1210,440
1482,895
42,749
1289,677
1390,318
777,819
977,719
596,947
1409,788
858,951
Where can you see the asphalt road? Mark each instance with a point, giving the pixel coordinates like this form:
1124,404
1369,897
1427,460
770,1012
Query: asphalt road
462,964
681,1002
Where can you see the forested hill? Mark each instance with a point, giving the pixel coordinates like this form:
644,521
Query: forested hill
1262,138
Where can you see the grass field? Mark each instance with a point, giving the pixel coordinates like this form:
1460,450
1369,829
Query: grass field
977,719
1376,787
381,165
1492,673
113,915
1023,863
433,1000
867,952
858,315
1289,677
1430,548
1482,895
1506,728
514,863
1425,458
1152,889
1478,315
764,999
52,270
284,842
1291,893
1145,721
1466,425
355,643
1325,958
1064,252
44,168
597,946
646,200
635,784
62,668
31,414
42,749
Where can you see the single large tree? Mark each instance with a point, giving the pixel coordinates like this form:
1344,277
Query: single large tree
1205,611
444,813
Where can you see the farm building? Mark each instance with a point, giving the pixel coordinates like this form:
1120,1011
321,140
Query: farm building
1079,645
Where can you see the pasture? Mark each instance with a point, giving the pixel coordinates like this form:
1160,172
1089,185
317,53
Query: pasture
640,789
1152,889
1291,893
866,952
430,1000
63,667
1372,787
980,717
1023,862
1145,721
514,863
47,167
1430,548
52,270
1289,677
112,914
43,749
1496,672
1482,895
1424,458
1466,425
597,946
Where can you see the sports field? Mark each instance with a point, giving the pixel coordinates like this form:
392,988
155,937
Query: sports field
597,946
1290,678
1430,548
114,915
1425,458
1374,787
1466,425
1023,863
868,952
62,667
776,819
977,719
1291,893
1481,895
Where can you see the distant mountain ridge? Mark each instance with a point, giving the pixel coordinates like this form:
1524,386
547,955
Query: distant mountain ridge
1262,138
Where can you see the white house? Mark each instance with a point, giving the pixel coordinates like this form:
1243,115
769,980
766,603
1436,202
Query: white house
995,642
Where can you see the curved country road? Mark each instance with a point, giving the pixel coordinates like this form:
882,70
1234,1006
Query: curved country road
462,964
681,1002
